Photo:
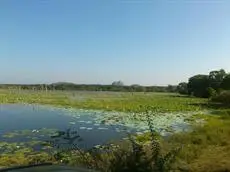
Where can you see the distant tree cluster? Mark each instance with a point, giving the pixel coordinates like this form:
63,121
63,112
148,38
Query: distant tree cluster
118,83
117,86
206,85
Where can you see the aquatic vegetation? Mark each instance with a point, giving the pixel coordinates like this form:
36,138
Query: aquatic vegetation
105,101
36,133
72,123
102,128
96,124
82,128
23,156
130,156
164,121
24,142
176,121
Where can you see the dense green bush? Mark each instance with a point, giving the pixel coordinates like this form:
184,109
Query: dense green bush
206,86
211,92
223,97
182,88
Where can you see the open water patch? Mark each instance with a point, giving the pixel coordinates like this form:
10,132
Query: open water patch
33,123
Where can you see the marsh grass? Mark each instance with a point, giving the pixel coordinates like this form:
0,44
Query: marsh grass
207,148
109,101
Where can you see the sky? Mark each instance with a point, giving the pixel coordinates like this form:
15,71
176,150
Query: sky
146,42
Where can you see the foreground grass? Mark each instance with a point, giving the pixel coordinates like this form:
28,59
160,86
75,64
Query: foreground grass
104,100
207,148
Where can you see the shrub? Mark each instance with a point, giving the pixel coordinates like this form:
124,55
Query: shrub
223,97
211,92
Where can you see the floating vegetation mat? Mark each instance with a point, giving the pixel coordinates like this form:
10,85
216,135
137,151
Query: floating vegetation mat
25,139
163,122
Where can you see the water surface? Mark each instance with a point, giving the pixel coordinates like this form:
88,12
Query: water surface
17,117
32,122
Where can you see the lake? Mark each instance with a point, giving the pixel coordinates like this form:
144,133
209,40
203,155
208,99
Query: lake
34,120
24,123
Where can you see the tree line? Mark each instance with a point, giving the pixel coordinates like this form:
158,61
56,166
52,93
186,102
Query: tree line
116,86
205,86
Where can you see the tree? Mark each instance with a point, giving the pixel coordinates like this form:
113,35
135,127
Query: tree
226,82
223,97
171,88
216,77
118,83
182,88
211,92
198,85
137,88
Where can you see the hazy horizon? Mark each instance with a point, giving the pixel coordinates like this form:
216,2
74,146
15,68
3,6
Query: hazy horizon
97,42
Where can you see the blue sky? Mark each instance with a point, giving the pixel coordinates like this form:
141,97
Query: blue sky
148,42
